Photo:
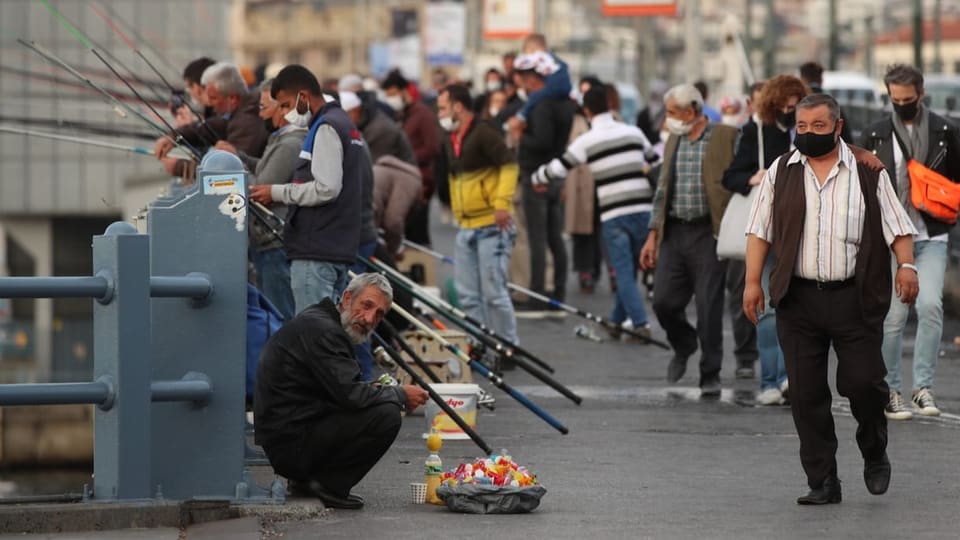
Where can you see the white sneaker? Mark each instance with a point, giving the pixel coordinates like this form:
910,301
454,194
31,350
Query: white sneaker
895,409
924,403
785,390
770,396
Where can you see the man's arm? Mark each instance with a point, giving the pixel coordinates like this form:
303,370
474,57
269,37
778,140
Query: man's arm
247,133
737,176
558,168
326,165
540,132
334,367
556,86
278,166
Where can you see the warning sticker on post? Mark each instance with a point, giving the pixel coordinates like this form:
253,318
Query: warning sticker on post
222,184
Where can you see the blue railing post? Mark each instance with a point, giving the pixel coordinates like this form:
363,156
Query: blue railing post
121,325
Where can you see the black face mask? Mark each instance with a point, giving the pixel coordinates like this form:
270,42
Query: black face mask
787,120
814,144
907,111
268,123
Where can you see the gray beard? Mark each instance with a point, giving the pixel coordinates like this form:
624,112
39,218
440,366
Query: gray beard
355,337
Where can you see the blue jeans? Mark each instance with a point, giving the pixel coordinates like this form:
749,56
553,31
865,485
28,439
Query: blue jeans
772,369
624,237
273,278
481,260
931,261
312,281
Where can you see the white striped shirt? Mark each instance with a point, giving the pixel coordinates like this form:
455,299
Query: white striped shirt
614,153
833,225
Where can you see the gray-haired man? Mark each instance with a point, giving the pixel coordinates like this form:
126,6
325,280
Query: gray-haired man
322,427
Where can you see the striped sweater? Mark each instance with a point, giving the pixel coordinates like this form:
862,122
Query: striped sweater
614,153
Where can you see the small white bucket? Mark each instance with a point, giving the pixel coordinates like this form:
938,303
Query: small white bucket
462,398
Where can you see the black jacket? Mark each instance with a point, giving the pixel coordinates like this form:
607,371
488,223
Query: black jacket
308,370
944,137
546,134
745,162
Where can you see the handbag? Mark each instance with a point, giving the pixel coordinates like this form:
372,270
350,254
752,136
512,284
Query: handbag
732,240
931,192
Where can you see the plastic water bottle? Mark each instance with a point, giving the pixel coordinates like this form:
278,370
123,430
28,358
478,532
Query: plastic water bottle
584,332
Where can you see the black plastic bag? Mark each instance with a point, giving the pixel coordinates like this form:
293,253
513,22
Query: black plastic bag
487,499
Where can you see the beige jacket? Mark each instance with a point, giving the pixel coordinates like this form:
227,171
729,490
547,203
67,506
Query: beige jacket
396,189
578,192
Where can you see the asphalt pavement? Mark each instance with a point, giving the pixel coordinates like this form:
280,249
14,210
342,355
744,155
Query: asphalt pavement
646,459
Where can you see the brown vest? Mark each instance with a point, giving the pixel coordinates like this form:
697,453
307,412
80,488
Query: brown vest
872,274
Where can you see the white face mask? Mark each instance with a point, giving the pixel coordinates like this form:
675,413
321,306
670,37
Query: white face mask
493,85
395,102
731,120
677,126
522,94
295,118
494,111
448,124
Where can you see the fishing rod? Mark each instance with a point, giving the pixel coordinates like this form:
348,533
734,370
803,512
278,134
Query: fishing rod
437,398
136,33
78,140
178,139
511,349
410,352
551,301
132,45
89,127
484,339
495,379
27,74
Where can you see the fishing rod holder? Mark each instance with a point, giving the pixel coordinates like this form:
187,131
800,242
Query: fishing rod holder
169,334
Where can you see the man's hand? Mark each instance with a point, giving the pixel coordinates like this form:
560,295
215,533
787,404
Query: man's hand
170,165
753,301
162,147
539,179
648,255
226,147
907,285
503,219
261,194
757,177
416,396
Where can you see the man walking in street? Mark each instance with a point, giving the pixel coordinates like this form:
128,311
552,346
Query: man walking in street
483,177
616,155
915,132
829,214
687,209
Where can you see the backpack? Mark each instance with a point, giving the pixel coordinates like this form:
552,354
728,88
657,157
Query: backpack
263,320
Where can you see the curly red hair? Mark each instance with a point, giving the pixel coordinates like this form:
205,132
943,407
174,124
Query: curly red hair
775,94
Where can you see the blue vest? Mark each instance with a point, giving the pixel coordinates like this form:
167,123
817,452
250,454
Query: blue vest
329,232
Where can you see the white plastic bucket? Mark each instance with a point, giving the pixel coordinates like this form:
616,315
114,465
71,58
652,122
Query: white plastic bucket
462,398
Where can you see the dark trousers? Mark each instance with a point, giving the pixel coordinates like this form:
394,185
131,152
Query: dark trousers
339,449
586,254
809,321
418,224
544,213
687,266
744,332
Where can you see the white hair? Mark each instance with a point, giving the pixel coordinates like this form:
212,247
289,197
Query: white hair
362,281
226,78
686,96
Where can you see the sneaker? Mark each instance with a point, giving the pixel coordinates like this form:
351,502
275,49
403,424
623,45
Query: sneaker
745,372
528,309
924,403
710,389
785,390
770,396
555,312
644,331
676,368
614,332
895,409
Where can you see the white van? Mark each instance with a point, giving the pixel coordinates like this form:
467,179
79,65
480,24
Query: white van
850,87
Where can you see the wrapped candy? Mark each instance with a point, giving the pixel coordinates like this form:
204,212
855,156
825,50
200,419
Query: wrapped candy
496,470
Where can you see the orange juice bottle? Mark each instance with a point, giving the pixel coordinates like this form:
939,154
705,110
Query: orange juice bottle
433,467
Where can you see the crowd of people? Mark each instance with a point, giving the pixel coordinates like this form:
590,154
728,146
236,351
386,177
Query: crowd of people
837,248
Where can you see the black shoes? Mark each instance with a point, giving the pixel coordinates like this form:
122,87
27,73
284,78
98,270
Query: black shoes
827,493
876,475
330,500
676,368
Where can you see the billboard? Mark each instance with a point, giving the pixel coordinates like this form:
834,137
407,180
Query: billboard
508,19
445,29
639,8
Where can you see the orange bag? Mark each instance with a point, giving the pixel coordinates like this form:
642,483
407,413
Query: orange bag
932,193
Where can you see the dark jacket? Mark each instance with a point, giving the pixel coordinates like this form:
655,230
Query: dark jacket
546,134
308,370
878,138
384,136
650,124
330,232
872,275
775,143
243,129
423,132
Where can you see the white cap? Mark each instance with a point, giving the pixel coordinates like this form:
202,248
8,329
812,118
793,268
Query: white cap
540,62
349,101
272,70
350,83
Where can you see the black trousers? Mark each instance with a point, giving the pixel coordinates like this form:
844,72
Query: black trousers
809,321
338,450
744,332
688,267
544,213
417,229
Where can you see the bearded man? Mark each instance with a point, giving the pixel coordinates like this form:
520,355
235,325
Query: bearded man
320,425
